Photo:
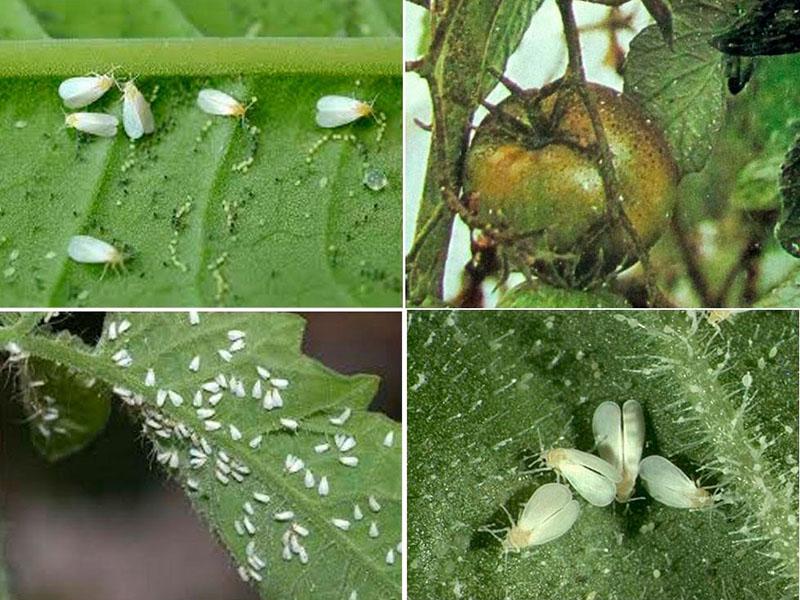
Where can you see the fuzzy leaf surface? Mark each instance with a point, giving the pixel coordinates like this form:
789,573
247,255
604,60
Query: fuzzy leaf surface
489,391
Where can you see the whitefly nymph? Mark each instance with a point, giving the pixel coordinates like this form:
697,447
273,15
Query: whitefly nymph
592,477
548,514
619,436
669,485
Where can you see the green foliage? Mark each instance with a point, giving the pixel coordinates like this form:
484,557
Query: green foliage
540,295
338,561
683,87
67,409
789,231
468,41
488,391
272,211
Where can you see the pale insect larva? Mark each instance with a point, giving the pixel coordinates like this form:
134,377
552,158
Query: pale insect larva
90,250
215,102
619,436
335,111
591,476
261,497
77,92
286,515
669,485
137,118
549,513
100,124
349,461
342,524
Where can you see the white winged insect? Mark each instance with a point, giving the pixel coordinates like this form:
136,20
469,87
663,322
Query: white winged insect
335,111
215,102
619,436
87,249
548,514
77,92
669,485
101,124
137,118
591,476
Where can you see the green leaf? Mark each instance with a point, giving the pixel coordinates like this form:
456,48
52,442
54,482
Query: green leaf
489,390
222,18
544,296
788,232
214,213
769,27
470,39
67,410
481,36
683,90
339,561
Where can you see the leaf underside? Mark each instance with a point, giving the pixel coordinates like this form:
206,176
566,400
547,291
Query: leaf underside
488,391
211,212
339,562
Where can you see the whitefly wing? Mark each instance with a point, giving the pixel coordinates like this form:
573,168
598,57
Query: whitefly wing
595,488
216,102
77,92
607,429
87,249
549,513
335,111
667,483
632,437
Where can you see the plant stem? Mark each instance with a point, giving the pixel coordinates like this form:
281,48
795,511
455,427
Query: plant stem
576,76
689,253
202,56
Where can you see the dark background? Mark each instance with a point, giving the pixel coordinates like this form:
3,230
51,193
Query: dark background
104,525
